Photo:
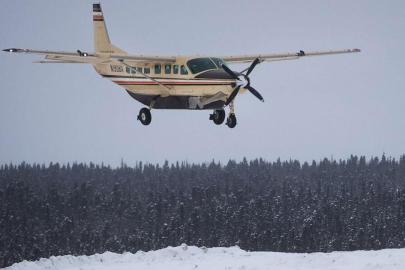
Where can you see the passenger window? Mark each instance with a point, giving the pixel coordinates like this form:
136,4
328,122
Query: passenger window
146,70
168,69
183,70
176,69
158,69
139,69
128,69
133,70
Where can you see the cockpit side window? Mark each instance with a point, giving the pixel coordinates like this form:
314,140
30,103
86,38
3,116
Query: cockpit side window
218,62
200,64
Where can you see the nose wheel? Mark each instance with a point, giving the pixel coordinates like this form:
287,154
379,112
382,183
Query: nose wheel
145,116
231,120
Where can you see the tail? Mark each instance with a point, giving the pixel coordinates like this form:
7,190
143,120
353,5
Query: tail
101,40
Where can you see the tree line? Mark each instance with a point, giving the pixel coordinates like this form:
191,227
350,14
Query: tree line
284,206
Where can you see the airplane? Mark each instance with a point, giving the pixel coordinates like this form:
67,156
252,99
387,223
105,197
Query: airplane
172,82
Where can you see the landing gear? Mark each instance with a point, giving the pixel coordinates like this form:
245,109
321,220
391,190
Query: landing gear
145,116
231,120
218,117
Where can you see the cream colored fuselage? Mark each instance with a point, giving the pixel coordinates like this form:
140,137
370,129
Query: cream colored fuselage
180,84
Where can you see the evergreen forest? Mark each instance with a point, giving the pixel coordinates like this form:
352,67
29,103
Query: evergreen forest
283,206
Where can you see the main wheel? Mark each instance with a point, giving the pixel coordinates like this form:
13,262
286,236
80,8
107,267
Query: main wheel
231,121
145,116
218,117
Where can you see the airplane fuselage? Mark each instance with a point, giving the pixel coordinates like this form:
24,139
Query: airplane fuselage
190,80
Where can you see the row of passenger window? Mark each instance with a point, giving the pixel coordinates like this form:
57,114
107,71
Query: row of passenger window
158,69
133,70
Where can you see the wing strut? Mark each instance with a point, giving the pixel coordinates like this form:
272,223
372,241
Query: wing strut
143,74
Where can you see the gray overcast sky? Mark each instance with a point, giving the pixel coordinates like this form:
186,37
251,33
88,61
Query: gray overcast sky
315,107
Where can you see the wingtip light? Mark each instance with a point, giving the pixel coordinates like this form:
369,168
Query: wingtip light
10,50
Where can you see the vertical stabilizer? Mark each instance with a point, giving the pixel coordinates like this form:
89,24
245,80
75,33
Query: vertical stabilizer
101,39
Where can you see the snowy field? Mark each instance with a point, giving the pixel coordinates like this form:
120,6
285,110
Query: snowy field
183,257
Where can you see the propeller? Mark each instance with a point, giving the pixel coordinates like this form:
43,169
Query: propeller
242,81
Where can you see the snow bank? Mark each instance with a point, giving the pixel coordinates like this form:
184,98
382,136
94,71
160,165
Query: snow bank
183,257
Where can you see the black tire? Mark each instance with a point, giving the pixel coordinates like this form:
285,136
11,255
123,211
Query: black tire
145,116
231,121
219,117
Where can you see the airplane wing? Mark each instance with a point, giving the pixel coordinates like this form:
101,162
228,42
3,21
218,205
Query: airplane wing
92,58
237,59
57,62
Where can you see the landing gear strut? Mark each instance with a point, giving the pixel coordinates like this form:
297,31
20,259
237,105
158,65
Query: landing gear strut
218,117
231,120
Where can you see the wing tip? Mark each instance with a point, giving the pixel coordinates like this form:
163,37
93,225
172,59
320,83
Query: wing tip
15,50
10,50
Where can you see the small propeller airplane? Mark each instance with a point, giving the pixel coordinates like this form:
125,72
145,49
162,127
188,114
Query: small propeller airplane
172,82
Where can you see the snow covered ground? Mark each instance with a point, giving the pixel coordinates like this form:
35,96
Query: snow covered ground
183,257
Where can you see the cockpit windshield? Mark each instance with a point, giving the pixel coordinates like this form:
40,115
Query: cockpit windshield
202,64
218,62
